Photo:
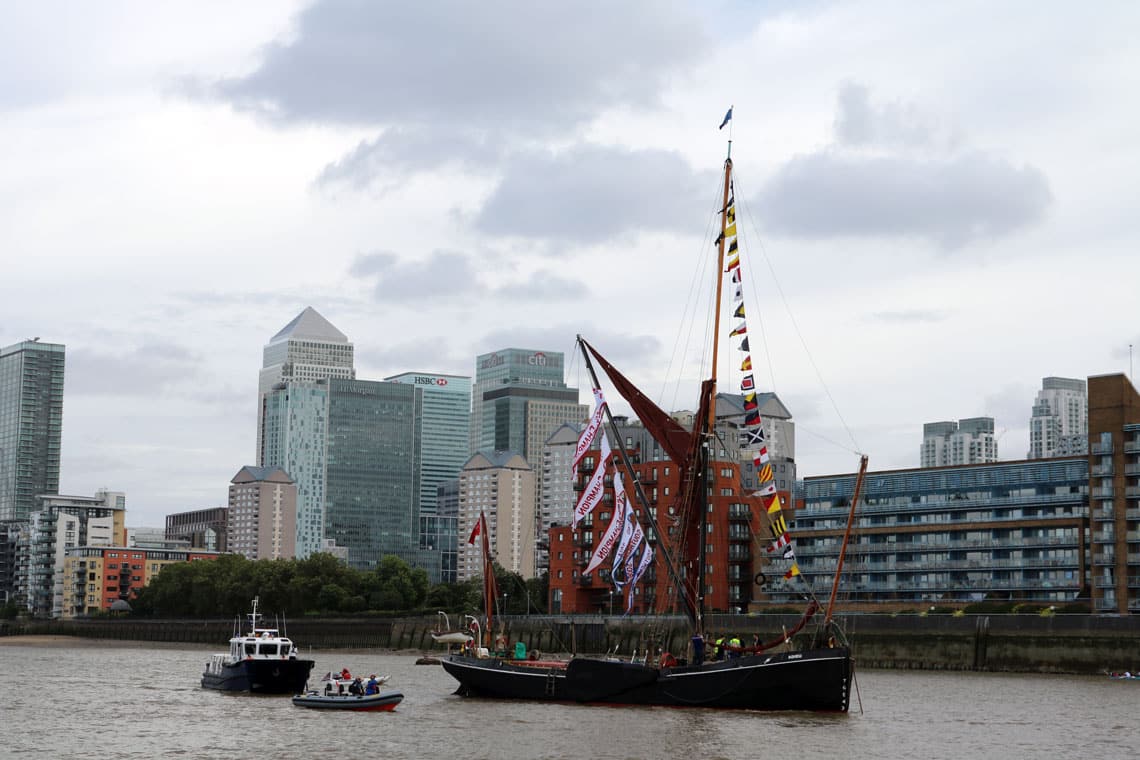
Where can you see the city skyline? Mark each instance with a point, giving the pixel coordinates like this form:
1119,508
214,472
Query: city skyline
927,183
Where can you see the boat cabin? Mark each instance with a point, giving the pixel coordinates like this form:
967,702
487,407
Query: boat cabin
262,644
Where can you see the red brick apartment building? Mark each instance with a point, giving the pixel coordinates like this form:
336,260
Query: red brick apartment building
737,540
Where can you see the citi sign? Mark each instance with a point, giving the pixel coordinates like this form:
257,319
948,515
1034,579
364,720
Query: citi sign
438,381
537,359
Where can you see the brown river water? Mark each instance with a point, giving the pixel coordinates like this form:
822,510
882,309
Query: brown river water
79,699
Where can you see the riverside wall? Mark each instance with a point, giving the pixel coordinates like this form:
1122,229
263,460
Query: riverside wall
1080,644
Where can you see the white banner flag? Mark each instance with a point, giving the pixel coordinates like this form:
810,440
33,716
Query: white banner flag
646,558
592,493
586,440
617,525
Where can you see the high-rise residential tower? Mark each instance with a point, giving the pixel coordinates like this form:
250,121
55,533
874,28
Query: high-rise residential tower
262,520
499,484
31,424
968,441
1060,422
307,349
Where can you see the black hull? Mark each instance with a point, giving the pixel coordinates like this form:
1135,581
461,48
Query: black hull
816,680
261,676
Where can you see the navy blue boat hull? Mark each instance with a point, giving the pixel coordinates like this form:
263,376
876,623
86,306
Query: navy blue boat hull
815,680
261,676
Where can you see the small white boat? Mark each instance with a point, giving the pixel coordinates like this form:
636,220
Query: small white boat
384,701
445,634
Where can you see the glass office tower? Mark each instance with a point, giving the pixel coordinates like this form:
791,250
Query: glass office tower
372,493
31,425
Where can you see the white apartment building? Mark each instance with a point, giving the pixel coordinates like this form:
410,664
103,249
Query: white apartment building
500,485
968,441
1060,422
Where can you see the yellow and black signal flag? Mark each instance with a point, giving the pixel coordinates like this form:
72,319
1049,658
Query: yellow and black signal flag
730,215
739,311
779,526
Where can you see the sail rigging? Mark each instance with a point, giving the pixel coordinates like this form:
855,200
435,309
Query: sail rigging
809,672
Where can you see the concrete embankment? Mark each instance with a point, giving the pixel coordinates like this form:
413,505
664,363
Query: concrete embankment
1012,643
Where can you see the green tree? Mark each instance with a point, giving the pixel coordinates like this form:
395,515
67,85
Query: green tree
399,586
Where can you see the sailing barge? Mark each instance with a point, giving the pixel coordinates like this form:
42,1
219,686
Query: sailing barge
817,676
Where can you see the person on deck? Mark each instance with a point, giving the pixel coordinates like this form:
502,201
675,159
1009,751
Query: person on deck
718,648
373,686
698,643
356,687
734,644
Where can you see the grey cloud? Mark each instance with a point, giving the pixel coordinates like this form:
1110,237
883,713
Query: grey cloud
398,151
544,286
591,193
949,202
368,264
538,67
861,123
436,275
150,369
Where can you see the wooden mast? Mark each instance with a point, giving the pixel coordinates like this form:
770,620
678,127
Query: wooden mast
710,422
846,537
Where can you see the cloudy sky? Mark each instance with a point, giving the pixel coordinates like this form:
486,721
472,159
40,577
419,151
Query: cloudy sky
937,206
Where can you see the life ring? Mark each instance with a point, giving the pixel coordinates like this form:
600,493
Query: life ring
760,579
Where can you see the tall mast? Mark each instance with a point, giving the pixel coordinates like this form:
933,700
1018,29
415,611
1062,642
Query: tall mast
710,423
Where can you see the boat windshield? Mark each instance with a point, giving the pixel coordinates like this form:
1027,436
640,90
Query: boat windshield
271,649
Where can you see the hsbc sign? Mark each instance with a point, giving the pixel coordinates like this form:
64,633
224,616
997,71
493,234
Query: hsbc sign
425,380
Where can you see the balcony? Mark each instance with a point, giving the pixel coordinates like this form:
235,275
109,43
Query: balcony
1102,492
1102,470
1101,448
1131,447
738,512
1132,492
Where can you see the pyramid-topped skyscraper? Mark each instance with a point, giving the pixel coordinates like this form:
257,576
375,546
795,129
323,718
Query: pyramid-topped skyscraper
307,349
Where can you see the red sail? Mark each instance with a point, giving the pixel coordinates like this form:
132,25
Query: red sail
674,439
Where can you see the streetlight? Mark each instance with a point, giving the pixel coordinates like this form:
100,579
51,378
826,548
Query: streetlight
504,602
611,602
